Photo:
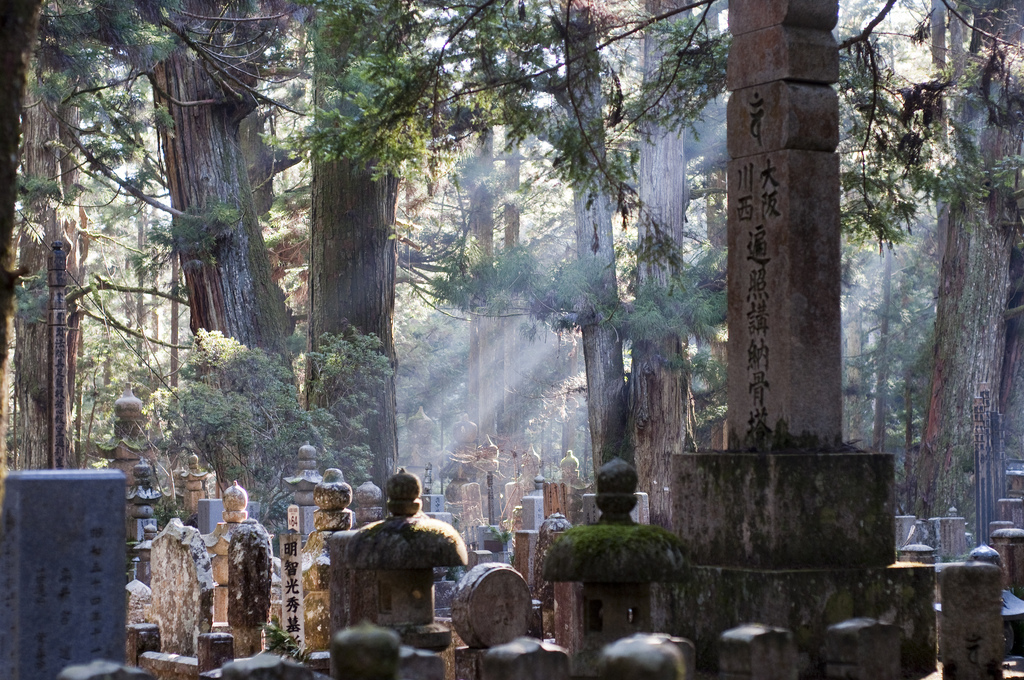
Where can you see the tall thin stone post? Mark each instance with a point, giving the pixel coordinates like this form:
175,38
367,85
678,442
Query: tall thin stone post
786,480
990,477
57,279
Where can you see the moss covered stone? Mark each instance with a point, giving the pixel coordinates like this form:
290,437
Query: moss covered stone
615,553
416,542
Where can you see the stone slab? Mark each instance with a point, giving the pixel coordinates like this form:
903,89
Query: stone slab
806,602
533,512
787,510
784,302
183,588
784,53
62,559
433,502
746,16
971,645
783,115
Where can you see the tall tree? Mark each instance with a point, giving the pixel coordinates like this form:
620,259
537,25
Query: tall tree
659,388
207,92
18,25
353,256
593,208
974,281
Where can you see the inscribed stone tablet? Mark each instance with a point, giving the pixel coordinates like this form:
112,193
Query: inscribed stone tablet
62,553
783,54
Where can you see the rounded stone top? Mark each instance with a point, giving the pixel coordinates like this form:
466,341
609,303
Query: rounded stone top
404,491
1007,534
538,482
952,511
984,553
464,431
193,463
366,651
128,406
556,522
616,491
615,553
235,498
307,452
416,542
332,493
368,495
916,548
570,461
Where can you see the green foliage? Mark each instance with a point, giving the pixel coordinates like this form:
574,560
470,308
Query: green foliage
283,644
239,412
345,374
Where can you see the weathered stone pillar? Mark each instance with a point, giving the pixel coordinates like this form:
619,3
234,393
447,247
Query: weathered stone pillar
182,588
214,650
250,570
332,496
303,483
57,279
971,645
235,502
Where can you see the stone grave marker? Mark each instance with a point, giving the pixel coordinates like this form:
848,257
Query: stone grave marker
755,652
971,641
293,615
526,659
644,657
863,649
182,584
62,552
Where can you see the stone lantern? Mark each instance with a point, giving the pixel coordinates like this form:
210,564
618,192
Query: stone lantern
402,552
140,497
303,485
616,560
125,449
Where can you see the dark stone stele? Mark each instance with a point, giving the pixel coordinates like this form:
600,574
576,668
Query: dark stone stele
62,557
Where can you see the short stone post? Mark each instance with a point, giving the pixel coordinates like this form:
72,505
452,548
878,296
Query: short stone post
215,650
646,657
365,653
544,590
1009,543
369,504
971,623
303,484
862,649
139,639
103,670
419,664
144,550
616,560
491,606
235,500
265,667
755,652
250,571
526,659
402,551
332,496
182,588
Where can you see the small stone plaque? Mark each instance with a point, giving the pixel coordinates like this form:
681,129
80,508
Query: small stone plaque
62,552
293,518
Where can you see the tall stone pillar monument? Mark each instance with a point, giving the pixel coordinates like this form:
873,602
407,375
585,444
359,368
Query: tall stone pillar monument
788,527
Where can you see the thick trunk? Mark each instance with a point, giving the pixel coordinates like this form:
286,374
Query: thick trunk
659,387
352,269
43,161
607,407
17,34
223,256
970,329
485,352
882,364
513,412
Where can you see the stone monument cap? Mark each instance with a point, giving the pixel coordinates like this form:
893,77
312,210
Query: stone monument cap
307,452
368,495
616,491
987,554
653,657
404,491
128,406
332,493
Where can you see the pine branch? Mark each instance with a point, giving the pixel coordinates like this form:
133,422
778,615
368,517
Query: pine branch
125,329
105,284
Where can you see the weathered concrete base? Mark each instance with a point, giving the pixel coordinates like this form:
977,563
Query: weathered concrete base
806,602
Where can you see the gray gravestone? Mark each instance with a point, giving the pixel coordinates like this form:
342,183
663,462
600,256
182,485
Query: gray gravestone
62,571
211,509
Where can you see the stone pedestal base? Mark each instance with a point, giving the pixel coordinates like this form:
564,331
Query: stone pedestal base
806,602
469,663
433,637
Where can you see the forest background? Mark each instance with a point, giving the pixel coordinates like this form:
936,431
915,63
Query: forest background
291,222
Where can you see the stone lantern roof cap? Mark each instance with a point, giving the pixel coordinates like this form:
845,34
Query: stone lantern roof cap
408,539
615,550
128,406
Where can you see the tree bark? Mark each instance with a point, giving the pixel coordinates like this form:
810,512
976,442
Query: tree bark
352,269
974,289
17,34
659,387
44,160
485,365
882,362
223,256
607,407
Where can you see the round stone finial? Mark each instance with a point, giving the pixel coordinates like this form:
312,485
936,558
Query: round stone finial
142,472
235,500
538,482
368,495
193,463
616,491
404,491
332,493
128,406
952,511
307,452
366,651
